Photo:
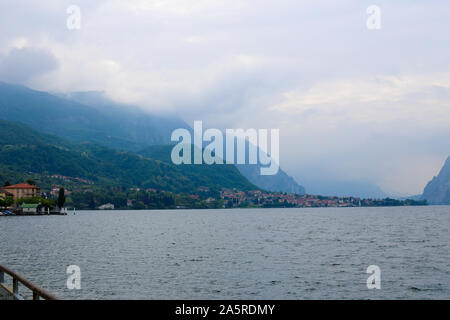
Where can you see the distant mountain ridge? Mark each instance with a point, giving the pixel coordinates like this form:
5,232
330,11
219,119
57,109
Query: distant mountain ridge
437,191
121,128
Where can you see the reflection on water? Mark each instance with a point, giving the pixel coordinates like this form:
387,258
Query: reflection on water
235,254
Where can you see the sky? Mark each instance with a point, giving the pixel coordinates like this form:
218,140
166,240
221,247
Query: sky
353,104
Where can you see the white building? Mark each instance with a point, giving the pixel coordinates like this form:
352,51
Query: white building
106,206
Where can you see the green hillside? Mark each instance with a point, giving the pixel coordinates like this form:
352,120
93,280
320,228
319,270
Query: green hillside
224,173
25,152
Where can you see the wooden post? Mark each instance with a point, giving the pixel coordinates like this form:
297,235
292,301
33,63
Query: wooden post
15,286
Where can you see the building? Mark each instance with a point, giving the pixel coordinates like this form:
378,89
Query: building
31,208
107,206
23,190
4,194
55,191
210,200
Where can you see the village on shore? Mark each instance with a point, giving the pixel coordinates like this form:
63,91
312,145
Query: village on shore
27,198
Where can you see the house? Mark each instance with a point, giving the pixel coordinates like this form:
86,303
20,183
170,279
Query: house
6,198
4,194
23,190
55,191
31,208
107,206
210,200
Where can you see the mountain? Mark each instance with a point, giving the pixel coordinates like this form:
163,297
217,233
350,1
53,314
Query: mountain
86,117
26,151
437,191
92,117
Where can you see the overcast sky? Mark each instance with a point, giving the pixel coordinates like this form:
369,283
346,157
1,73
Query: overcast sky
352,104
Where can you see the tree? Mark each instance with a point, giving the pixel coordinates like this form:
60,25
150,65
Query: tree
6,202
61,198
28,200
48,203
7,184
31,182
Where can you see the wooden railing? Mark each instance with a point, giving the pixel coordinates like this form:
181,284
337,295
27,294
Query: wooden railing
13,293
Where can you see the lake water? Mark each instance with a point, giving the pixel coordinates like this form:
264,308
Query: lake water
318,253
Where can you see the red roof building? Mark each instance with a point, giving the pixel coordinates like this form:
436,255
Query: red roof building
23,190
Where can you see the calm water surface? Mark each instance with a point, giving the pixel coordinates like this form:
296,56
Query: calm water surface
235,254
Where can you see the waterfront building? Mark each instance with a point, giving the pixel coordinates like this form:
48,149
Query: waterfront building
4,194
31,208
23,190
107,206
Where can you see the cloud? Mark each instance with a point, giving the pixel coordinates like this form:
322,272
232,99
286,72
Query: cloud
419,97
23,64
